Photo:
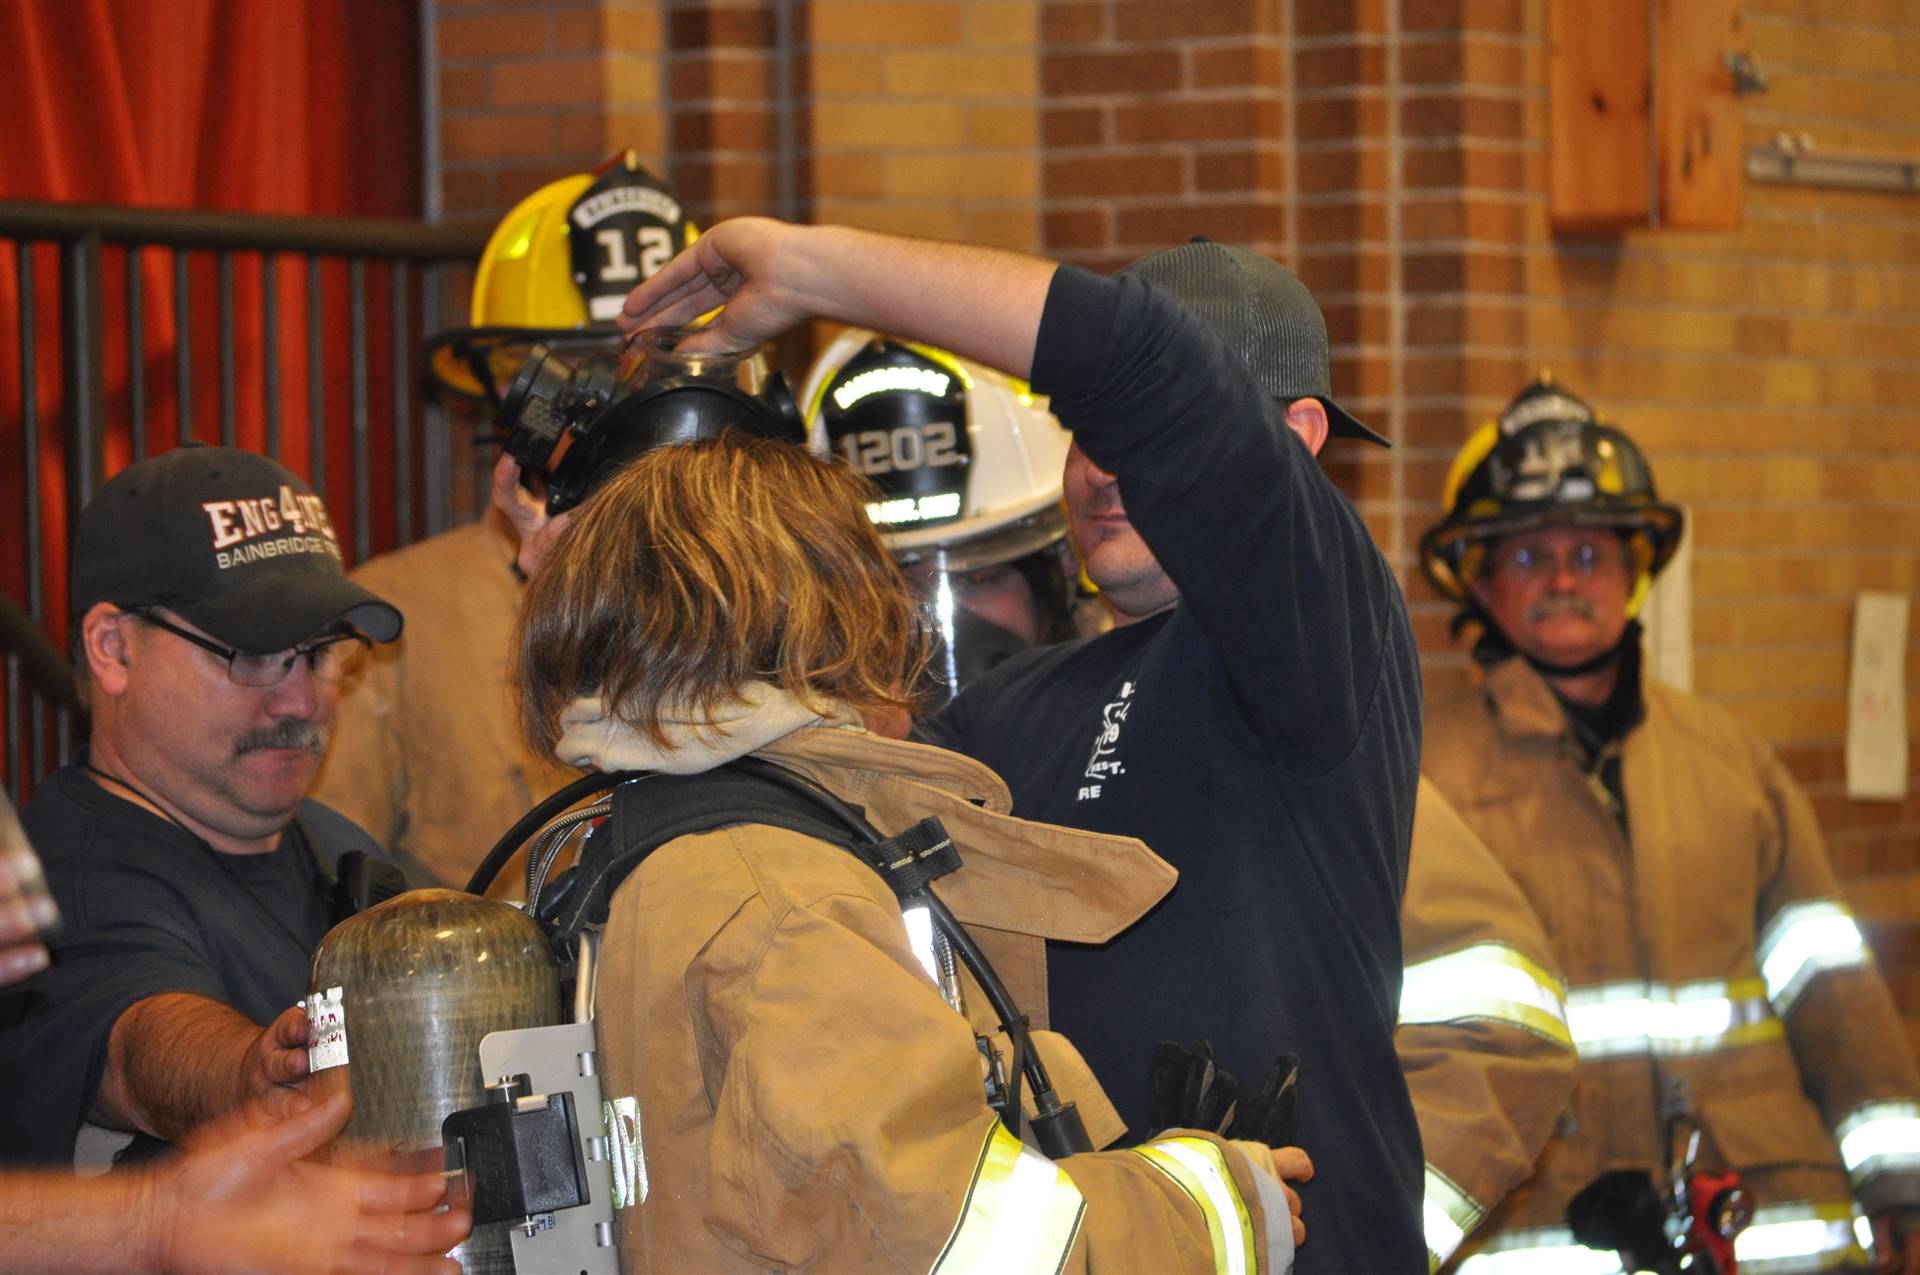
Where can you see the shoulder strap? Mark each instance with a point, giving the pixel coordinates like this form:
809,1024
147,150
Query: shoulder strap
654,809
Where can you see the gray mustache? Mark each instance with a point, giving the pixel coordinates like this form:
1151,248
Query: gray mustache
288,733
1571,604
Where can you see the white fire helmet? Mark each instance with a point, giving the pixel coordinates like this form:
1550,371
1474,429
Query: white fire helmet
968,463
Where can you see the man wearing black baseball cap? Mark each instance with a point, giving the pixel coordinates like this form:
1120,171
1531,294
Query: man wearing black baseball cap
1255,716
212,624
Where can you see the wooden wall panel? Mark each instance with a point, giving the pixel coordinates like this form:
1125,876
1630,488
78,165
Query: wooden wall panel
1599,132
1698,117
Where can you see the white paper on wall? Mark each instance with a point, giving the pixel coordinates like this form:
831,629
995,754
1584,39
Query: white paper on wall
1877,699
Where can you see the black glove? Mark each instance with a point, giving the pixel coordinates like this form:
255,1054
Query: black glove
1271,1113
1186,1090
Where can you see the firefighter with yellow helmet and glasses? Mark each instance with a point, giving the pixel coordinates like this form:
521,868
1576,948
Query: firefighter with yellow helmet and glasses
1726,1011
426,757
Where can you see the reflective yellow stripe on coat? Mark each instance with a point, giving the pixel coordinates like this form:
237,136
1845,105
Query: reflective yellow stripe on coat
1877,1136
1199,1168
1691,1018
1449,1213
1486,981
1021,1213
1784,1239
1804,940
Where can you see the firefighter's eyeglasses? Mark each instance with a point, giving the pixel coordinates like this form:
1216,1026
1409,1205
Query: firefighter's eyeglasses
1539,562
328,657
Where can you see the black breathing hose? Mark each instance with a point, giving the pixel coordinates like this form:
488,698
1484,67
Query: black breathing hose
592,782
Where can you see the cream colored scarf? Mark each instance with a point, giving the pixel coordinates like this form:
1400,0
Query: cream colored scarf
591,737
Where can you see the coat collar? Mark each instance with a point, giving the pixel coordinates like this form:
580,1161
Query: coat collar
1022,876
1524,706
695,741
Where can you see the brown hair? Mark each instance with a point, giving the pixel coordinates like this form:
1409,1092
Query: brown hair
702,567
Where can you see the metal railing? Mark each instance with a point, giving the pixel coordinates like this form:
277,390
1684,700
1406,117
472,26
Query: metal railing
315,328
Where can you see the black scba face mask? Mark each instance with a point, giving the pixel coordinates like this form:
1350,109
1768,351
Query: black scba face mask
575,424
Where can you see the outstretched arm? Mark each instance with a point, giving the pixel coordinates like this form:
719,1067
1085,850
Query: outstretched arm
982,303
177,1060
241,1200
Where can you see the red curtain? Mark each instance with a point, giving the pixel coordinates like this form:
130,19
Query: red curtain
307,107
287,106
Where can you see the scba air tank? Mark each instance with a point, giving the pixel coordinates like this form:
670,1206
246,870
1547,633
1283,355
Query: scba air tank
401,995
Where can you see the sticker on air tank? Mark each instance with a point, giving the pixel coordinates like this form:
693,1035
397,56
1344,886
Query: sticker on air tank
629,1154
326,1029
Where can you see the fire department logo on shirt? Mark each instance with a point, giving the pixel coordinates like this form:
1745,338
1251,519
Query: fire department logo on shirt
1105,764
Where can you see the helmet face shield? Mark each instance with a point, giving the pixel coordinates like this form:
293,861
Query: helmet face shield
1015,539
573,423
980,612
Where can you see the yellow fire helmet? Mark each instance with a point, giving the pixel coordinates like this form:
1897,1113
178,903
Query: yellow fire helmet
556,270
1546,459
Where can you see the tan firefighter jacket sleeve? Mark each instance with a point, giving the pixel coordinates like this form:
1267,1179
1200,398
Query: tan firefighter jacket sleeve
1483,1035
1821,981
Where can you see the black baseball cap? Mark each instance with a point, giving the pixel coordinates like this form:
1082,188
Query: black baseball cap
233,543
1264,314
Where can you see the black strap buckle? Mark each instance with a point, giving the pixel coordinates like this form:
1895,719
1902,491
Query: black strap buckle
908,861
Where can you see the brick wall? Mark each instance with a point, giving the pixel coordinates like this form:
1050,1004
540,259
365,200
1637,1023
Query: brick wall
1163,121
1394,152
532,92
924,117
894,114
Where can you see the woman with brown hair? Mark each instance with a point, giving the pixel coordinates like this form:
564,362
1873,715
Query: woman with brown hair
799,1092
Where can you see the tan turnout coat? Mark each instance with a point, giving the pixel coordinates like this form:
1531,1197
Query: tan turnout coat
1710,958
803,1097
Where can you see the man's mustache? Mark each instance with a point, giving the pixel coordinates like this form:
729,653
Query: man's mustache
1560,604
291,732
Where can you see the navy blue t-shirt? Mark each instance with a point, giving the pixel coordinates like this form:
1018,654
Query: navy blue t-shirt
146,907
1263,736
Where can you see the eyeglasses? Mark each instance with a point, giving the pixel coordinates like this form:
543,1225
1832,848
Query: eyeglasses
1537,562
327,657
